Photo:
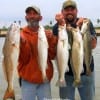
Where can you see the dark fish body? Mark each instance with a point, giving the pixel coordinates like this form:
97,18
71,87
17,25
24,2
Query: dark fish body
87,45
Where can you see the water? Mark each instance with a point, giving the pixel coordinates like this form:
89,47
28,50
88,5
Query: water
3,85
96,53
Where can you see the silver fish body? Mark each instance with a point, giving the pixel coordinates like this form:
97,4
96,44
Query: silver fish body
42,52
87,45
77,56
62,55
10,60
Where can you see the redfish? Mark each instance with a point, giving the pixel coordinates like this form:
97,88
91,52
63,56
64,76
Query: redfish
87,44
10,60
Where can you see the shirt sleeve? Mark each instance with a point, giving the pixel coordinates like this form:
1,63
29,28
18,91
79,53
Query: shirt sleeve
92,30
55,29
52,41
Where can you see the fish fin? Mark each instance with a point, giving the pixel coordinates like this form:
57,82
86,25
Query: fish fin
88,72
67,69
82,70
16,73
61,83
69,47
9,95
77,83
45,79
47,44
4,69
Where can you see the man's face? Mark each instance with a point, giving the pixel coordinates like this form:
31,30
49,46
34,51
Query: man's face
33,18
69,14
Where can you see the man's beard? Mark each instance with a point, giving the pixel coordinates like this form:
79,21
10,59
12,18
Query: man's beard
33,23
70,19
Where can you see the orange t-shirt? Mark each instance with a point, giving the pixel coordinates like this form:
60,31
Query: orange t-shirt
28,68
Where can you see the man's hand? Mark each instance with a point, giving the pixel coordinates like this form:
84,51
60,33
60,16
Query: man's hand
80,22
60,19
93,42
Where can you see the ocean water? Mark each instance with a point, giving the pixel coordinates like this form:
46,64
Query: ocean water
96,54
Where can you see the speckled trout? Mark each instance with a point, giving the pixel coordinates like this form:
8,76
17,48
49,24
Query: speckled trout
77,56
87,44
10,60
62,55
42,52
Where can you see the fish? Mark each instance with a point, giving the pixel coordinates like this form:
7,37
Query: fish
87,44
77,55
42,52
62,55
10,58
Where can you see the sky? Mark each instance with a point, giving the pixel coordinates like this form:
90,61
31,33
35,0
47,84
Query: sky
14,10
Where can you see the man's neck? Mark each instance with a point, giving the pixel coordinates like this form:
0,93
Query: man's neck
34,29
73,23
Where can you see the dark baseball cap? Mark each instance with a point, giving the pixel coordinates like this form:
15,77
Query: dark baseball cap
69,3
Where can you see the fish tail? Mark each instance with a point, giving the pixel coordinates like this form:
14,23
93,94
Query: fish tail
61,83
9,94
77,83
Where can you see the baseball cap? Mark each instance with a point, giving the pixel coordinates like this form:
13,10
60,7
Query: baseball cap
69,3
34,8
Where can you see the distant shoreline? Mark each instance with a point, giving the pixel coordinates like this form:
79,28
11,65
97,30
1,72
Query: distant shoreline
3,33
98,34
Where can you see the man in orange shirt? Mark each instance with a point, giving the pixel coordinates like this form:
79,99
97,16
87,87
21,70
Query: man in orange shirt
32,84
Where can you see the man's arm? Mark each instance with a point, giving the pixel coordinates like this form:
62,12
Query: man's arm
92,31
94,37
